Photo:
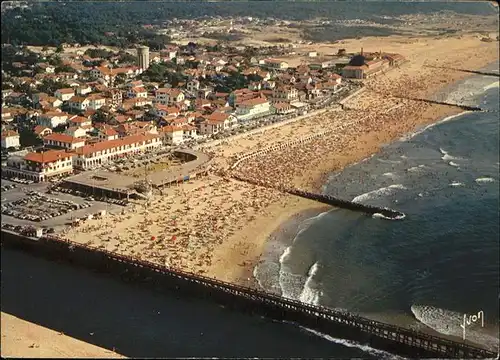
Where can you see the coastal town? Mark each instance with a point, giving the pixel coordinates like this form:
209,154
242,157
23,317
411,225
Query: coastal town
88,129
155,152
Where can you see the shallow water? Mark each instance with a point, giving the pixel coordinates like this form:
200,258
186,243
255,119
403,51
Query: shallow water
441,261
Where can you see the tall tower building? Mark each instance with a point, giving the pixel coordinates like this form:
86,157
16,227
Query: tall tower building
143,57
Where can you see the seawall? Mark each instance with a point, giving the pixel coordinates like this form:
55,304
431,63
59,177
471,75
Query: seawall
348,326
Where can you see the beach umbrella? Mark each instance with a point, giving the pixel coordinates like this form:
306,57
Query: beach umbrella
153,238
174,237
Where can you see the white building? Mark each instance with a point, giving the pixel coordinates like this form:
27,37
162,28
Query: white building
53,119
64,141
64,94
40,166
10,139
169,97
79,103
95,155
172,135
249,109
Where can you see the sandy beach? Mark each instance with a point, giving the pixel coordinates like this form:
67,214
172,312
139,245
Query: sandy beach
218,227
24,339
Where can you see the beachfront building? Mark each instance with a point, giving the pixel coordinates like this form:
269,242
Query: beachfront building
362,67
285,93
172,135
283,108
253,108
40,166
95,155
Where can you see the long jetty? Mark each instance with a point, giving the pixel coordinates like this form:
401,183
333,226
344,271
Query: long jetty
385,212
387,337
479,72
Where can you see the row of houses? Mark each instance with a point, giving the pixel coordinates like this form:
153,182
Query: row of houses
45,165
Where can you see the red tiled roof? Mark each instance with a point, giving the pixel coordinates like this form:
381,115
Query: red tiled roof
40,128
253,102
79,119
66,91
47,156
9,133
62,138
170,129
109,144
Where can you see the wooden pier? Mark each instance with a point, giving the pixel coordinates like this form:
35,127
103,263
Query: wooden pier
344,325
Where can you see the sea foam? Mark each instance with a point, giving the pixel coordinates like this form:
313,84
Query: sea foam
377,193
448,322
485,179
352,344
310,293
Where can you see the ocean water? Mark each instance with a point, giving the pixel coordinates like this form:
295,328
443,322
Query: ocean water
431,268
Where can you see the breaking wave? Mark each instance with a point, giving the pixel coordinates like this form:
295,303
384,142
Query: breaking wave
451,163
485,179
311,293
491,86
390,175
377,193
382,216
456,183
352,344
448,322
288,281
422,129
446,156
416,168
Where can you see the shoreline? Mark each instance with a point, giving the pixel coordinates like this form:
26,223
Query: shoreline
434,115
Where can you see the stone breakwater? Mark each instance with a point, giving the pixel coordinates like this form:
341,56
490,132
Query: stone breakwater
382,212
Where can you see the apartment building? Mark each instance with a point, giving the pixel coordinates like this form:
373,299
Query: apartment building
172,135
285,93
98,154
64,94
63,141
250,109
40,166
165,96
53,119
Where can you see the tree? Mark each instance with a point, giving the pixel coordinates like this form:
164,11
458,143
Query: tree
59,48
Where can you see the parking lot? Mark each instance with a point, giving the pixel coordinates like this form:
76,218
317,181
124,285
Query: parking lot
58,209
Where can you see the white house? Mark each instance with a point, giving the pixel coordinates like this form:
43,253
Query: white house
75,131
96,101
83,90
64,141
53,119
253,108
137,92
172,135
79,103
10,138
64,94
169,97
80,121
